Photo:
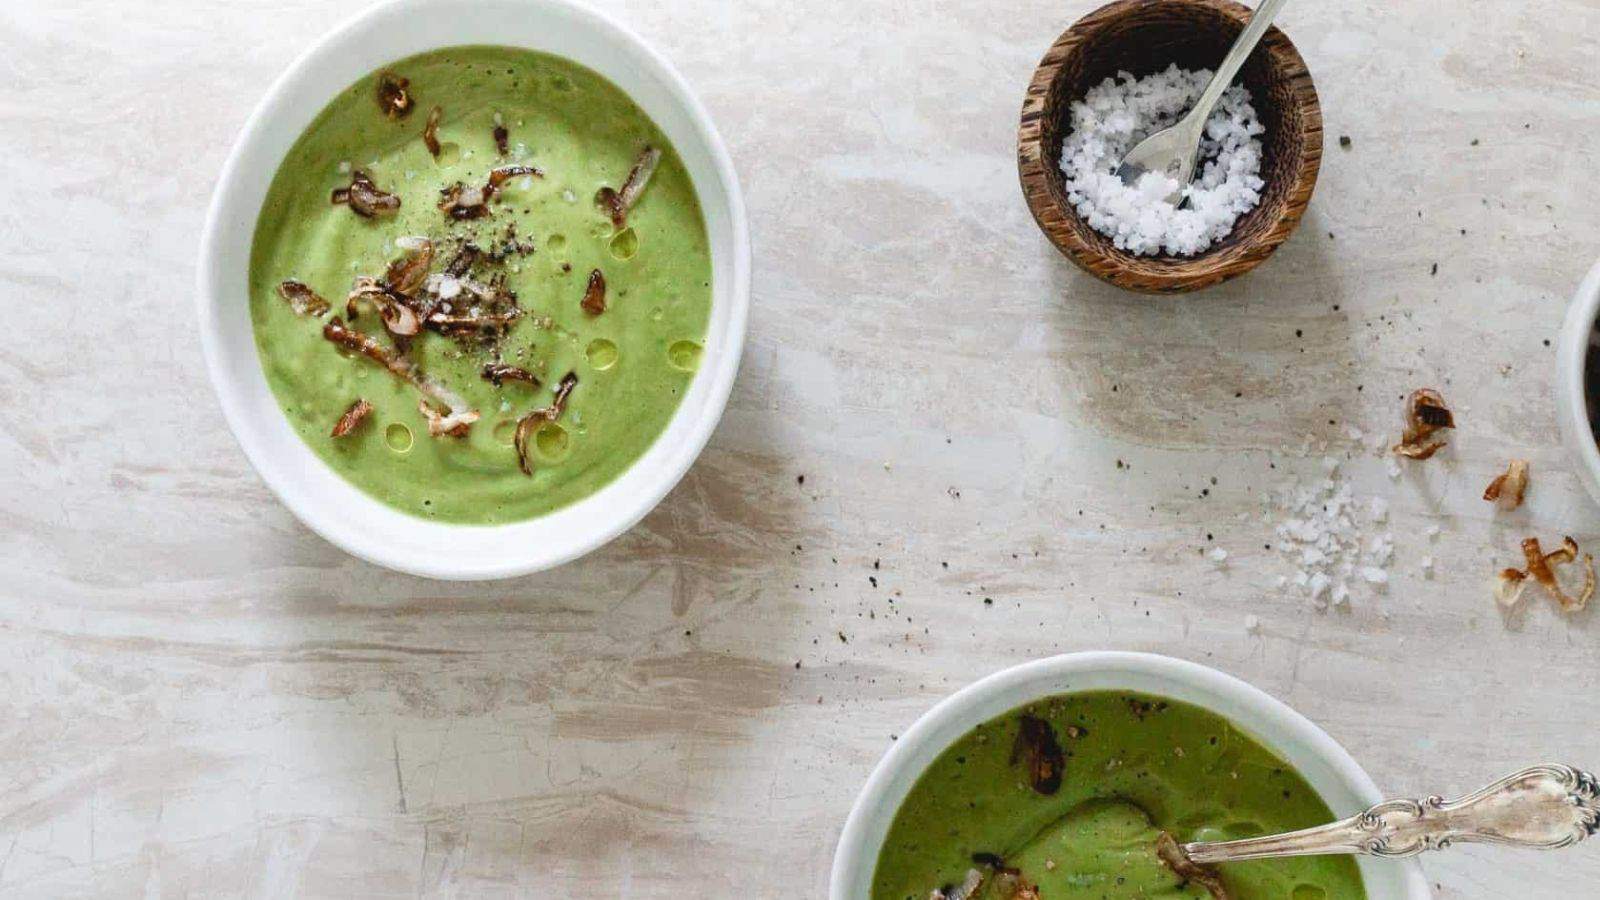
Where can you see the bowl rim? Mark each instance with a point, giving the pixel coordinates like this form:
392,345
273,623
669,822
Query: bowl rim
621,512
1033,680
1186,274
1572,354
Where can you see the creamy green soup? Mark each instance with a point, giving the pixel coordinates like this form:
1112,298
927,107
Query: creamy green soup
539,237
1082,821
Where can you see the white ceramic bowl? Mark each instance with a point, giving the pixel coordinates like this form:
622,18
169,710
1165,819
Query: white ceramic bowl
1323,763
1576,431
323,500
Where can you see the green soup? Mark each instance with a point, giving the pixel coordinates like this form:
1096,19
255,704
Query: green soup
1130,766
633,362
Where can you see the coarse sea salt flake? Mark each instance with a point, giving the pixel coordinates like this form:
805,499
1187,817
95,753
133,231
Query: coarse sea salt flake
1119,112
1318,585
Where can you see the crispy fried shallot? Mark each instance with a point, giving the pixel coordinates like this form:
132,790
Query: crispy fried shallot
452,422
618,203
1171,854
1508,488
302,299
1040,753
394,98
461,202
1010,885
394,294
1541,568
501,136
406,274
594,294
459,416
430,131
364,197
397,315
966,890
352,417
500,373
470,324
528,424
1425,415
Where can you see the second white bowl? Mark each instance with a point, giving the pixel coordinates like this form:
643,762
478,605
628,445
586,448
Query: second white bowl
1316,756
1572,356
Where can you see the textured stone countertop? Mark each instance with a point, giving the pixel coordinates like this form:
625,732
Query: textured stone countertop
199,696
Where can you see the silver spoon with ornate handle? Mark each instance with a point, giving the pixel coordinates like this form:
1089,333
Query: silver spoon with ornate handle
1543,808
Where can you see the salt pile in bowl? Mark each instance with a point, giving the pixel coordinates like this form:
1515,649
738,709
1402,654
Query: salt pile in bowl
1119,113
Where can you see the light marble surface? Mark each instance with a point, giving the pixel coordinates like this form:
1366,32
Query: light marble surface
200,697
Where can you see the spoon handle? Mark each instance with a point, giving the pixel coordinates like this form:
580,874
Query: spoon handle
1246,42
1543,808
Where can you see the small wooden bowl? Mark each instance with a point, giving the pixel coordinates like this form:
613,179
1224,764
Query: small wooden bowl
1141,37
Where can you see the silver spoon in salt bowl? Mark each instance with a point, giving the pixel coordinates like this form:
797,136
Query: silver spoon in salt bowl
1173,151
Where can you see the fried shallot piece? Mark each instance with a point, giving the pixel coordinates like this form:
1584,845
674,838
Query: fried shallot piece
352,417
397,315
461,202
302,299
394,96
501,135
1040,753
618,203
528,424
1171,854
364,197
500,373
430,131
394,295
1425,415
1541,568
460,415
966,890
594,294
1508,488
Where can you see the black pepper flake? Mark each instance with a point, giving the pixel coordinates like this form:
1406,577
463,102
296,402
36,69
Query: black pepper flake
1344,141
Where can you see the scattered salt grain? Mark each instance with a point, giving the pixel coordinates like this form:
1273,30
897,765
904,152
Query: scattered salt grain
1119,112
1321,533
1380,509
1319,585
344,167
1252,624
1391,467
